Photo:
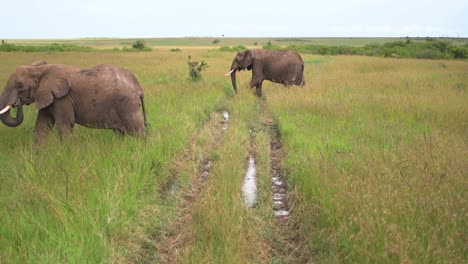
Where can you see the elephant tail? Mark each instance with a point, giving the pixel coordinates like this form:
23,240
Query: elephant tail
142,99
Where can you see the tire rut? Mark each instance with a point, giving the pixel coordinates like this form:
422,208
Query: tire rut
289,246
249,188
168,245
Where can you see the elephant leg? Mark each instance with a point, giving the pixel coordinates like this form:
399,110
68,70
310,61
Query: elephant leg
132,122
64,115
136,125
258,90
118,132
44,123
257,83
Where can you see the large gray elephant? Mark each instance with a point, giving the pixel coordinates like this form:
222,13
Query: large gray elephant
103,96
285,67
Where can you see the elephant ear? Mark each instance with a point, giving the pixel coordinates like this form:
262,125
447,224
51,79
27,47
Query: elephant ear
248,59
51,87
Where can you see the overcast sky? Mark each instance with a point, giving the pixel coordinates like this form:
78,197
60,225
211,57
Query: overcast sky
241,18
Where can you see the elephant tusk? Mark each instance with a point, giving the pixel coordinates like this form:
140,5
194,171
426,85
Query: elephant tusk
227,74
4,110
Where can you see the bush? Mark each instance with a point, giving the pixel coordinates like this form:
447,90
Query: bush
54,47
270,46
140,44
236,48
429,49
195,69
459,52
216,41
176,50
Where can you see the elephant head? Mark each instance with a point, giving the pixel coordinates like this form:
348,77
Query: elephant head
243,60
29,84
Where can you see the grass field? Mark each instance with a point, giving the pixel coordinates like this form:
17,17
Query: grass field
375,154
207,42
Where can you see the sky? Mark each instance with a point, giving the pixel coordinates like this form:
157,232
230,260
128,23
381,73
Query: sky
235,18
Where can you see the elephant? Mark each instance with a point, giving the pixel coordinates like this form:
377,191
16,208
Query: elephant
285,67
103,96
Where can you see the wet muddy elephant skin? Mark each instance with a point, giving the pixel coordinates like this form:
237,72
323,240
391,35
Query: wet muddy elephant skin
103,96
285,67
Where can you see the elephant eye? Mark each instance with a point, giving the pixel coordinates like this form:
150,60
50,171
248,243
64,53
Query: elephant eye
19,85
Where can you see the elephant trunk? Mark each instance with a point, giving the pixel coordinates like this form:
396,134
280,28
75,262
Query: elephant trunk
9,99
10,121
234,68
233,80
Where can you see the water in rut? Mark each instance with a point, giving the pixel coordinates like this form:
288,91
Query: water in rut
249,189
278,183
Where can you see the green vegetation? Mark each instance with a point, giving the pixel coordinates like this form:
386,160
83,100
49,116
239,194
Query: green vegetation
196,69
138,44
431,49
54,47
375,155
233,48
104,43
78,201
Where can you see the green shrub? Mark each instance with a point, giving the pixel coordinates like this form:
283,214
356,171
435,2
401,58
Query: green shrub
234,48
195,69
216,41
176,50
270,46
459,52
428,49
138,44
54,47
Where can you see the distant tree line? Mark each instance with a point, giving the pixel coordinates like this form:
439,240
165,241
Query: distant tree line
138,45
428,49
51,47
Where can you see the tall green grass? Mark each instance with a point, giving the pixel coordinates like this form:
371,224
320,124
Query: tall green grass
377,155
77,200
224,229
376,164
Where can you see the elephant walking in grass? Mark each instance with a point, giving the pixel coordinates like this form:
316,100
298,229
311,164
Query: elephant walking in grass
285,67
103,96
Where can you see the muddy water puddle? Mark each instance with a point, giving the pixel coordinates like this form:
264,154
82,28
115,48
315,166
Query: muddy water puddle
225,121
249,188
208,163
278,183
278,188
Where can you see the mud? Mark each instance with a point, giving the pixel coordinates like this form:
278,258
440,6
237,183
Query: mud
249,187
279,187
167,246
206,168
225,121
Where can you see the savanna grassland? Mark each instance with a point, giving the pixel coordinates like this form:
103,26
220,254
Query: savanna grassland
374,149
